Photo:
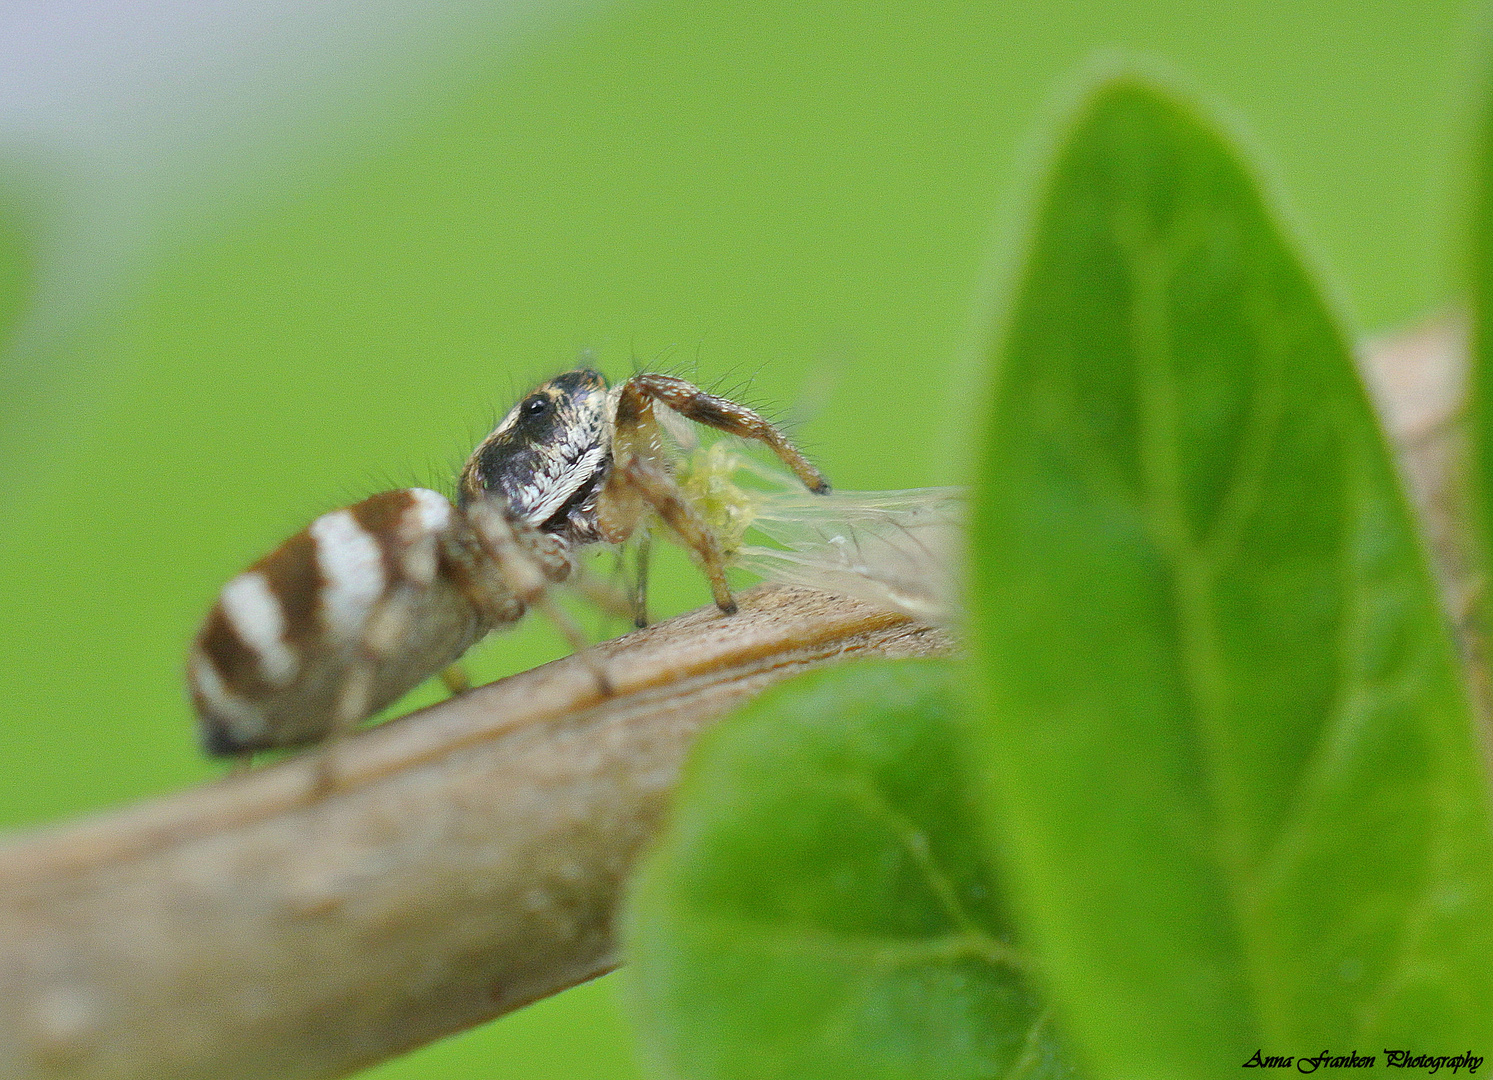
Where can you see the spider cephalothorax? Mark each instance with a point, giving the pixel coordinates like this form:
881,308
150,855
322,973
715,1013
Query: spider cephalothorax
549,457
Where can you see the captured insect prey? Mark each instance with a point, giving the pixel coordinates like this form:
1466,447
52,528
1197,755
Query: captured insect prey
370,600
894,549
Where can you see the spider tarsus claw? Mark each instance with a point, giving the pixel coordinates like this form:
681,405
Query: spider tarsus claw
455,679
604,685
323,777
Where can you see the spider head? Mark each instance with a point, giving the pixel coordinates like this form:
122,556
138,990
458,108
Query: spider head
550,454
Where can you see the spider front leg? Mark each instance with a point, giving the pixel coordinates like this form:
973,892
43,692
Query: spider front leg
723,414
520,564
640,581
455,679
646,481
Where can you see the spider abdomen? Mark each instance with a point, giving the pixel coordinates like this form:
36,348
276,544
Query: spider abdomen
337,622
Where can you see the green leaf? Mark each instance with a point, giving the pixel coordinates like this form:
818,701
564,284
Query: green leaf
820,905
1228,753
1481,281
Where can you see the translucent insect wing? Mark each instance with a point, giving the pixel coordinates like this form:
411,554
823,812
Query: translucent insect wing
894,548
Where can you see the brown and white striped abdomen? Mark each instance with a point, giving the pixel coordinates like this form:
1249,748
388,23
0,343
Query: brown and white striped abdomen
334,624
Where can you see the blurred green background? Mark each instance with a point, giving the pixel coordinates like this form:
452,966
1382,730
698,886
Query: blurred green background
798,198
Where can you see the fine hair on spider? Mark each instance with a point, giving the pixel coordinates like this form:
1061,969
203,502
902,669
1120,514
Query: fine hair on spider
372,599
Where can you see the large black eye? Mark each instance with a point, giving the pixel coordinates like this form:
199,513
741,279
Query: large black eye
535,406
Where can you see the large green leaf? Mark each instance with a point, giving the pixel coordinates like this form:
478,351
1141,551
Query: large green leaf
821,906
1229,755
1480,278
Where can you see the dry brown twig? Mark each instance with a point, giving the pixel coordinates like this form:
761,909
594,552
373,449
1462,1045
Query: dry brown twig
471,858
469,861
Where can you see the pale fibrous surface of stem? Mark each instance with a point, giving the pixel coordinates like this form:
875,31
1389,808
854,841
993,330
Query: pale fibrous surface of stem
471,857
468,860
1418,382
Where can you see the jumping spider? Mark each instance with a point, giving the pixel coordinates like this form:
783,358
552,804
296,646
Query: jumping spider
370,600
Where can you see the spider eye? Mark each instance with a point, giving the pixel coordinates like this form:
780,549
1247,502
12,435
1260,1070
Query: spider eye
536,406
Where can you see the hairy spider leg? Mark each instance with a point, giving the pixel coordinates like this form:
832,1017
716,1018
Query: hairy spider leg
662,493
642,474
527,568
456,679
640,581
692,403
